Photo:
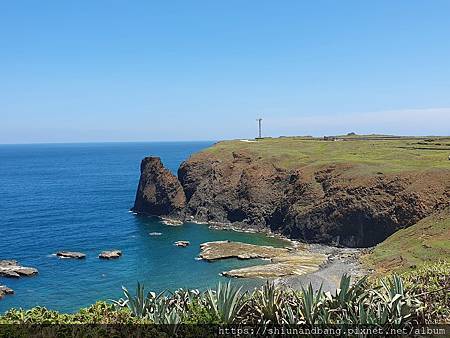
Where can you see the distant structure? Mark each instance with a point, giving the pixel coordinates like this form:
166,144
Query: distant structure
259,127
329,138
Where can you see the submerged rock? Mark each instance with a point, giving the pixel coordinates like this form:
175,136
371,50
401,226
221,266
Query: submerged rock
182,244
10,268
4,290
110,254
283,261
71,254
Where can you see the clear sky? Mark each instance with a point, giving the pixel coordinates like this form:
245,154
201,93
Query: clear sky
110,70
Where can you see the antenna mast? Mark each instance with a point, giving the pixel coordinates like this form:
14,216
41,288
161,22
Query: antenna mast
259,126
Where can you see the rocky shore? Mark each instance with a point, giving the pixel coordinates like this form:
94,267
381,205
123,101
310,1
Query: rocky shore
340,261
283,261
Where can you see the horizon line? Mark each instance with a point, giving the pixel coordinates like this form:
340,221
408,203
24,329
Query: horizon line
229,139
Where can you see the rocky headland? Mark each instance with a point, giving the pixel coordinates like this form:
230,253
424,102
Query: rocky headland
353,193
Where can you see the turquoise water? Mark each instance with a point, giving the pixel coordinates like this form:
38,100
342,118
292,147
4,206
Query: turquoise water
77,197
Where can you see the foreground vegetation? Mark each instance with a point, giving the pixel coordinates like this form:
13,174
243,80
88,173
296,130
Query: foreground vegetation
409,299
368,153
406,249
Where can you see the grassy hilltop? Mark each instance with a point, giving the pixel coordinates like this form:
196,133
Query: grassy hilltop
370,153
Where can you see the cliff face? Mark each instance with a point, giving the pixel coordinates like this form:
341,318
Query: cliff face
159,191
326,203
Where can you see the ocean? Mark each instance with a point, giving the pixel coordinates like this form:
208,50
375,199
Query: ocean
77,197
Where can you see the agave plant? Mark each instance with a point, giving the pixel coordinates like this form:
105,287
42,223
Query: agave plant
394,305
356,303
182,297
311,309
348,300
225,302
348,294
365,315
269,302
138,303
163,312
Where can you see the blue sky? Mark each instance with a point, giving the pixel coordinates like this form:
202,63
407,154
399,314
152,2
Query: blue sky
96,70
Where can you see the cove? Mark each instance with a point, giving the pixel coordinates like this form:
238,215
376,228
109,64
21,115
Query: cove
76,197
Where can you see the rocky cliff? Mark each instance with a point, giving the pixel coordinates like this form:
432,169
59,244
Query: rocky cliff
328,203
159,191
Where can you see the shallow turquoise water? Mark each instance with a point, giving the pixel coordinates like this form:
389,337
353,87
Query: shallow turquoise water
77,197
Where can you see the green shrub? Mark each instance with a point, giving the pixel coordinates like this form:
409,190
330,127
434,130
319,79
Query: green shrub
198,313
431,285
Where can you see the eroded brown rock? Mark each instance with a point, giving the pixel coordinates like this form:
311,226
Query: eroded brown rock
159,192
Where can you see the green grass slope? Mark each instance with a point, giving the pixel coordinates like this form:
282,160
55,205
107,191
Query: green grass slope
426,241
370,153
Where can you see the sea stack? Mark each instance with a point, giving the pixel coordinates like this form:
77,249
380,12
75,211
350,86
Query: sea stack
159,192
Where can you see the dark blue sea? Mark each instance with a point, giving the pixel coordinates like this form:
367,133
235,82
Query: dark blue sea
77,197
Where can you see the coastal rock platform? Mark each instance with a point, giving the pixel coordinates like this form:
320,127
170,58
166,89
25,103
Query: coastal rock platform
211,251
283,261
